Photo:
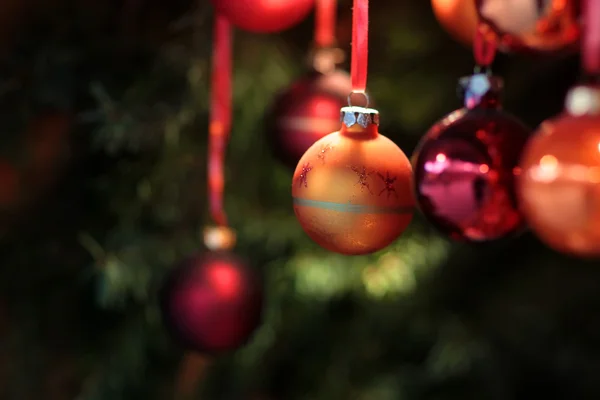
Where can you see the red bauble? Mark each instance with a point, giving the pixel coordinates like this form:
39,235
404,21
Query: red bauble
264,16
306,112
465,167
558,187
532,25
212,303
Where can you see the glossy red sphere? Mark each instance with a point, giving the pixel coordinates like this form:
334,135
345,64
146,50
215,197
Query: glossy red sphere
212,303
465,174
306,112
264,16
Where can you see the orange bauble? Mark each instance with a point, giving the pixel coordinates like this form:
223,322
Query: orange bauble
533,25
458,17
559,182
352,189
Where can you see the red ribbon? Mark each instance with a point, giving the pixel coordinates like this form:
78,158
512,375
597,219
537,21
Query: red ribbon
325,19
590,52
484,45
220,116
360,45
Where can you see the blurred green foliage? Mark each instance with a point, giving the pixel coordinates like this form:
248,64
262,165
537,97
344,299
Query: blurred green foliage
423,319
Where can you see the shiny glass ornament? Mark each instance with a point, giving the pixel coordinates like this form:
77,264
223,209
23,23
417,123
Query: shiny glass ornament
212,303
352,189
464,167
306,112
559,184
457,17
264,16
533,25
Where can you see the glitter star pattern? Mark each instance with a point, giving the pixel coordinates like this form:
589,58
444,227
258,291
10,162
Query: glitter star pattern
323,152
363,175
388,181
303,178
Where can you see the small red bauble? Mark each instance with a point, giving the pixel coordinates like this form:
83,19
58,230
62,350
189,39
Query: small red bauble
559,184
352,189
464,167
212,303
264,16
532,25
306,112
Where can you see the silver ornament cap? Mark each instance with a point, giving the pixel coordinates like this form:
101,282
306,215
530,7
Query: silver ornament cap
481,90
364,117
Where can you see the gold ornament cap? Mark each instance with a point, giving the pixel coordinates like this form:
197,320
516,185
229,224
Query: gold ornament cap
325,59
219,238
365,117
583,100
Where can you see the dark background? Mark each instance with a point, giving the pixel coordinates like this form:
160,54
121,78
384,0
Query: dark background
103,106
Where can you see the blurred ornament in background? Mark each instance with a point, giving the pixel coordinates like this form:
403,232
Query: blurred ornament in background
212,303
352,189
464,166
13,18
10,187
457,17
47,141
559,185
264,16
533,25
309,109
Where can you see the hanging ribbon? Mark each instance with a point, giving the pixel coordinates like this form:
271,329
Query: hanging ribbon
360,45
220,117
591,37
484,45
325,18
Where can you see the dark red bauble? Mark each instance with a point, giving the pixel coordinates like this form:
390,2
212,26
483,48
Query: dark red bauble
264,16
465,168
212,303
306,112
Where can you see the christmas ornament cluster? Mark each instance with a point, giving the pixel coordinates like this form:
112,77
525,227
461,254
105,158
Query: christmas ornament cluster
473,175
478,174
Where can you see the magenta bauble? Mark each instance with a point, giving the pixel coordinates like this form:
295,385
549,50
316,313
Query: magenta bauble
465,167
